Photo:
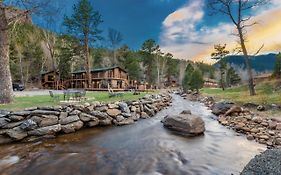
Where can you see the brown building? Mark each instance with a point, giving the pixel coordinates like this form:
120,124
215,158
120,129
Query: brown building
102,78
210,83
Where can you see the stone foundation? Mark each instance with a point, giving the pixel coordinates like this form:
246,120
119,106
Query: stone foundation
47,122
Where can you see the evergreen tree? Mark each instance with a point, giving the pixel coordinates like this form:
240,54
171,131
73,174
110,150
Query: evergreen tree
196,80
232,78
277,66
84,24
187,77
219,54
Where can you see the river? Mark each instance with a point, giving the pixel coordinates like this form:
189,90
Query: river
144,148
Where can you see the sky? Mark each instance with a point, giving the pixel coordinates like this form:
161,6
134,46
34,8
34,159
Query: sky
181,27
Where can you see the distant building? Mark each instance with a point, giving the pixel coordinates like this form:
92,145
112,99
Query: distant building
102,78
262,77
208,82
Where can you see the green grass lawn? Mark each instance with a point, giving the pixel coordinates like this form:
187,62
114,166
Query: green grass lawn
265,93
45,100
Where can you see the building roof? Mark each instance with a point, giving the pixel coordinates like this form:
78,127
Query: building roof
47,72
98,70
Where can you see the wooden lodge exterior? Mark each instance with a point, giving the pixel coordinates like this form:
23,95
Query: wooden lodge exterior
210,83
102,79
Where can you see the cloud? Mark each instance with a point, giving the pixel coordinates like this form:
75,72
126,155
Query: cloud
182,36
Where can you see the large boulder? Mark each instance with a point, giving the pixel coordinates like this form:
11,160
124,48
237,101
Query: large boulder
187,124
221,107
124,107
72,127
269,162
48,130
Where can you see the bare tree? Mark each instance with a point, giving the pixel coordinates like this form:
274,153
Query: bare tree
115,38
158,58
9,17
238,13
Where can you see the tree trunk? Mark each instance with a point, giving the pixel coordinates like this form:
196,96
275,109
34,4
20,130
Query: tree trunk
247,62
88,66
6,88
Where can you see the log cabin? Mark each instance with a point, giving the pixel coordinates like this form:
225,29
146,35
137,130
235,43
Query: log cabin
208,82
102,78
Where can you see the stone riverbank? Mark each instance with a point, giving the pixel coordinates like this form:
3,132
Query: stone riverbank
46,122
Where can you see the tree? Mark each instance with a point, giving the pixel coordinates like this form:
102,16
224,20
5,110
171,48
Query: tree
277,66
9,16
219,54
196,80
238,13
115,38
187,77
147,50
232,78
84,24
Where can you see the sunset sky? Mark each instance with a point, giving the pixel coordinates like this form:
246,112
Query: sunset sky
182,27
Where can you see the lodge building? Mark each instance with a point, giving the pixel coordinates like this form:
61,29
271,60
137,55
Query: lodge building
102,79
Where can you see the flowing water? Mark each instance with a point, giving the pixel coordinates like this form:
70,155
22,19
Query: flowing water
145,148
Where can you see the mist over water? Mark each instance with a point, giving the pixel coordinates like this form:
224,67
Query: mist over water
144,148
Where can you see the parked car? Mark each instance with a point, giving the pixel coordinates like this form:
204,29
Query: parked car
18,87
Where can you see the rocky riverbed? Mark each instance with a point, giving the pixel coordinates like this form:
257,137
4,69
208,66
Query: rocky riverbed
264,130
46,122
145,147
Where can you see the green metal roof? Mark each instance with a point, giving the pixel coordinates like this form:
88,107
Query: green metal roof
98,70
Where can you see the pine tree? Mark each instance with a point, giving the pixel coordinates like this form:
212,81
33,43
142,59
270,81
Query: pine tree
219,54
196,80
84,25
232,78
187,76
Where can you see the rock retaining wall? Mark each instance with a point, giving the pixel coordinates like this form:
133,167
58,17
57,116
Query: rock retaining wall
47,122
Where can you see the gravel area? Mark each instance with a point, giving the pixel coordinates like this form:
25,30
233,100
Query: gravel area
267,163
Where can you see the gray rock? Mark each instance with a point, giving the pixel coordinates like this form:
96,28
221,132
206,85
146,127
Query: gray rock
44,112
16,118
126,115
135,116
49,122
185,124
100,115
93,123
4,121
75,112
119,118
69,119
221,107
85,117
28,125
124,107
105,122
127,121
269,162
48,130
12,125
102,108
112,106
63,115
133,109
17,133
144,115
21,113
72,127
4,113
149,111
